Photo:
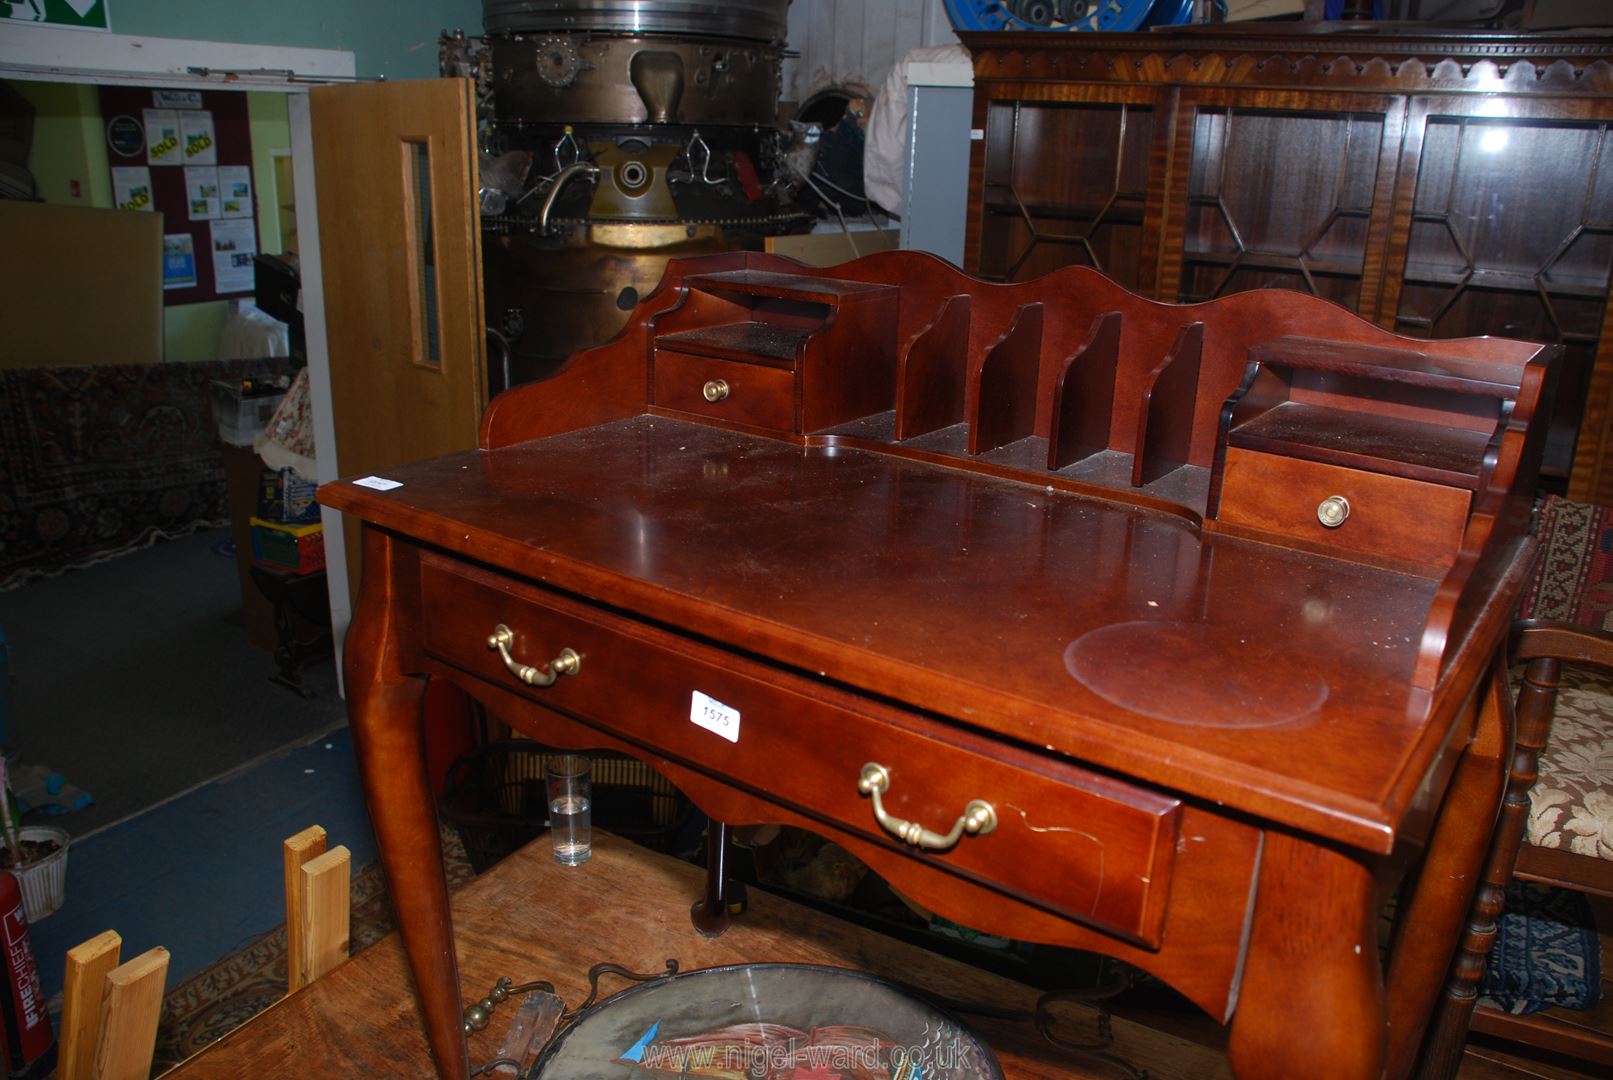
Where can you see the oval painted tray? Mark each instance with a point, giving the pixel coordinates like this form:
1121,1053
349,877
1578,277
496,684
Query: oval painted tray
767,1022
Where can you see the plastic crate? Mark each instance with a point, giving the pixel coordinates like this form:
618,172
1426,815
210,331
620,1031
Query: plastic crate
299,549
242,409
495,797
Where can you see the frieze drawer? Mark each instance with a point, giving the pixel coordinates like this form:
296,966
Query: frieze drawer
1076,843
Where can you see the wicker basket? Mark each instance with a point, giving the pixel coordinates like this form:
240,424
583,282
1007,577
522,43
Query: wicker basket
43,883
496,798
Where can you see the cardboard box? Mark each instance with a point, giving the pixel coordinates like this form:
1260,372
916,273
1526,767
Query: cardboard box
286,498
298,548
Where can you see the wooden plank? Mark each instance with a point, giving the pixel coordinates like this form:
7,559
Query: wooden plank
297,851
1165,424
833,248
1565,870
1004,391
326,911
1547,1031
129,1013
1084,398
83,286
934,371
87,967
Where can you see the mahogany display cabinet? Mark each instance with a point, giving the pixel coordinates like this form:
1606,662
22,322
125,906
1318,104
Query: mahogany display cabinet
1442,184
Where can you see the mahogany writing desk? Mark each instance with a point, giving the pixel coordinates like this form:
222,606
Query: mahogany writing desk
1174,633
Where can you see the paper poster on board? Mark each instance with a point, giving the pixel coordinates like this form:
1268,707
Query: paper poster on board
235,191
202,192
196,131
235,242
178,261
162,137
131,187
177,99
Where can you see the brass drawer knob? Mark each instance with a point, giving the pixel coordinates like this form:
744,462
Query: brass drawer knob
978,819
567,663
1333,510
715,390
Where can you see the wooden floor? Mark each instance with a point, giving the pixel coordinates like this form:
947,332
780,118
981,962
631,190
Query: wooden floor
528,918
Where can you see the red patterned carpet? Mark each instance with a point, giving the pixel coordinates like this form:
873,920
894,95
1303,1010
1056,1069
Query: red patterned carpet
1575,583
95,461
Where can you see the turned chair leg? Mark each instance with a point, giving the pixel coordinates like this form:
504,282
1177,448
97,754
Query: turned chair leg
1447,1031
711,913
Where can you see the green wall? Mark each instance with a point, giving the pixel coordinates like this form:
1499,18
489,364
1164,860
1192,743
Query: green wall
394,38
70,144
271,131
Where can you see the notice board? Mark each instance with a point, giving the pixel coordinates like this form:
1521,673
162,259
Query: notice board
187,155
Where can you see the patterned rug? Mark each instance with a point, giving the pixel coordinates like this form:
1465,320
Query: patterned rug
214,1002
1575,583
96,461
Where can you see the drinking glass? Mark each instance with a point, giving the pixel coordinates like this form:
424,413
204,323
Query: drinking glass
570,783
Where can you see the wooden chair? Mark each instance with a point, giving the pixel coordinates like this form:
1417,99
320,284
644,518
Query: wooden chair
1545,647
110,1011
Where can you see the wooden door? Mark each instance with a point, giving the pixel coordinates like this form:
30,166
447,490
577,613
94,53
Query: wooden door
1066,175
400,242
1504,225
1271,189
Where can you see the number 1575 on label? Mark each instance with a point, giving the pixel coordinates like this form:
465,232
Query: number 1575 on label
714,716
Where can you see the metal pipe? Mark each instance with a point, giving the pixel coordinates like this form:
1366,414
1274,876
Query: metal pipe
559,182
502,345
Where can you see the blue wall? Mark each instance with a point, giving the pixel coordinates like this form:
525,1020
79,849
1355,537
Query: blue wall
395,38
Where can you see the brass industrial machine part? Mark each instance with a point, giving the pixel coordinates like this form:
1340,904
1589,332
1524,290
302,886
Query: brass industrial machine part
615,135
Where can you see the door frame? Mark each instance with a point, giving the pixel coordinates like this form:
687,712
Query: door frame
52,54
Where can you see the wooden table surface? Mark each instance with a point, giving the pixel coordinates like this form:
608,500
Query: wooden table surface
531,919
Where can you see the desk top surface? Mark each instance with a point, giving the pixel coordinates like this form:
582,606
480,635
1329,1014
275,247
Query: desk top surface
1266,678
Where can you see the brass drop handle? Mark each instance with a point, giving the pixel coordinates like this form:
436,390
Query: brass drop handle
1333,510
567,663
715,390
979,817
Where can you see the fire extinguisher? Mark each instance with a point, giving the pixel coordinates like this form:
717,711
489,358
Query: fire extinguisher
30,1045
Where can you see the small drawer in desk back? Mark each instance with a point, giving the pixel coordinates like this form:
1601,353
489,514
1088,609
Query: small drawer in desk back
1387,516
1073,842
746,332
1361,448
752,394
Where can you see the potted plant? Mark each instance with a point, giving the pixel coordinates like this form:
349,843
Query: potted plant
36,855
